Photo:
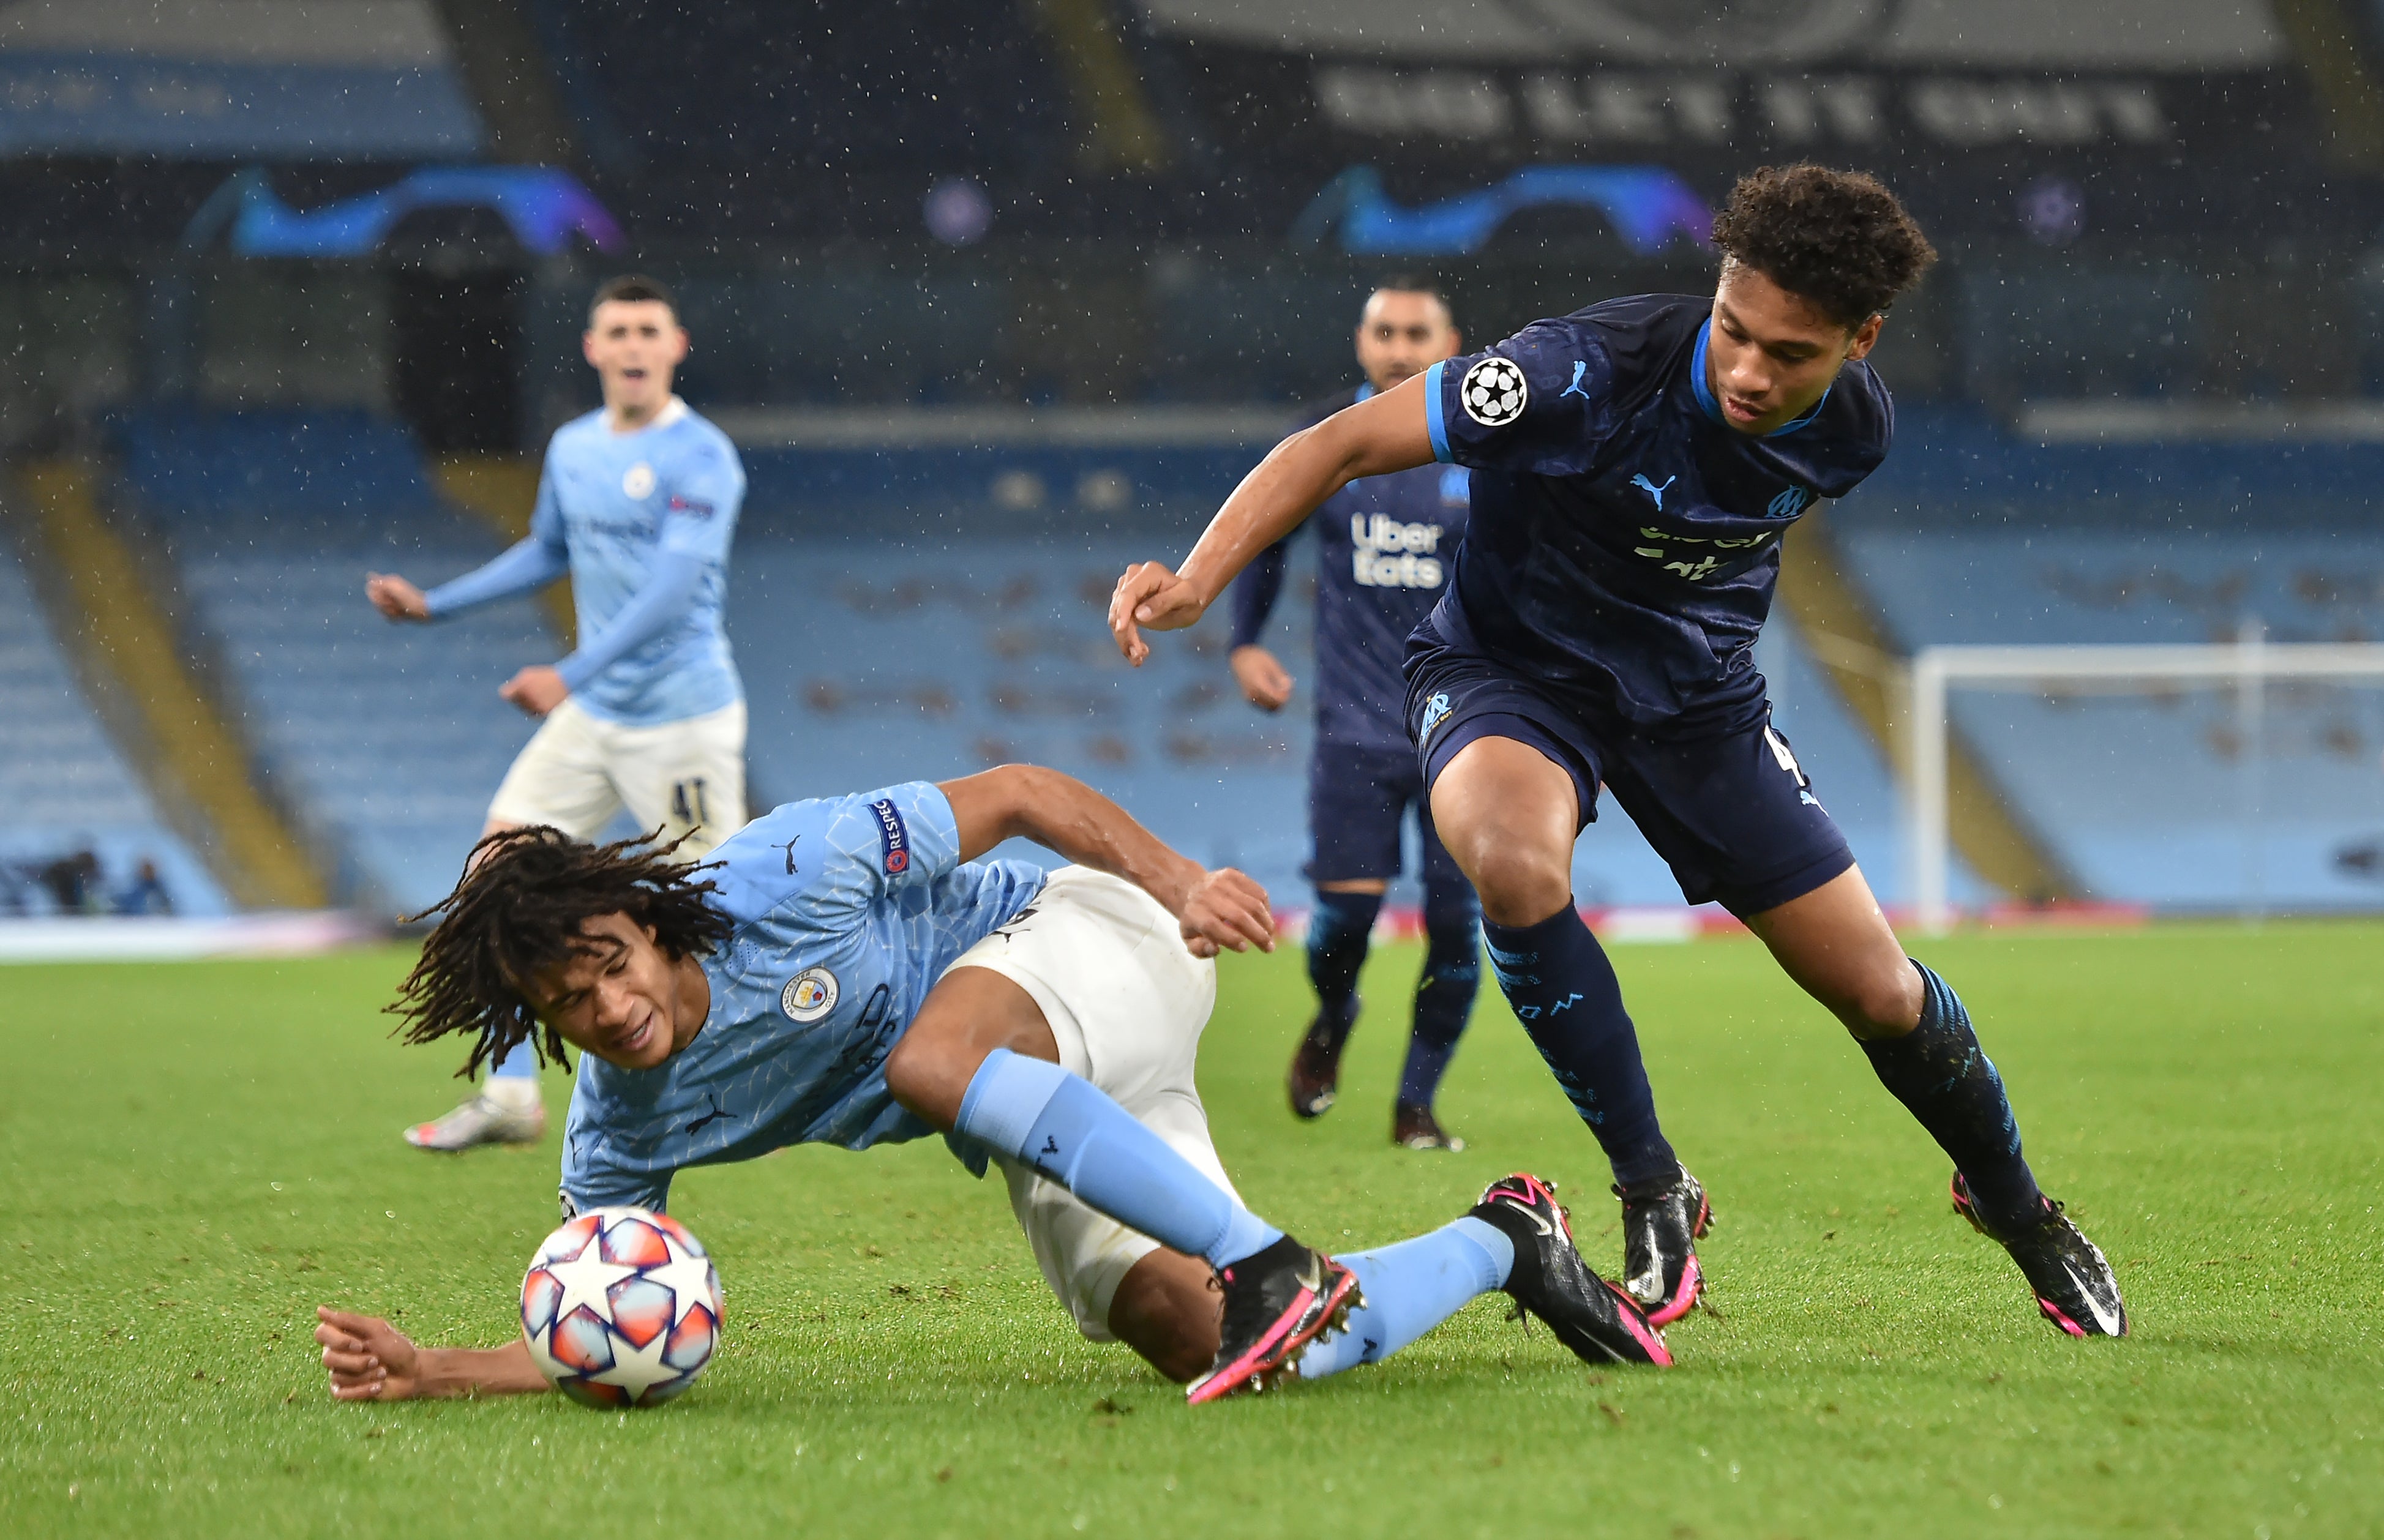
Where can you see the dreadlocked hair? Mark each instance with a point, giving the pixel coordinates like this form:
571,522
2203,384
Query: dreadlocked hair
1837,239
521,909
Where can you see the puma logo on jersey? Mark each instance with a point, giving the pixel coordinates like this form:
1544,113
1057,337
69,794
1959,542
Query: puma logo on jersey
715,1116
1652,489
1578,368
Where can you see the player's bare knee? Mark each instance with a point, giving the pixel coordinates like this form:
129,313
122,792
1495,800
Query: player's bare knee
1884,1002
1519,886
928,1072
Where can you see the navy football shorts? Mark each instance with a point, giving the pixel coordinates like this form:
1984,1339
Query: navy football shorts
1357,799
1727,807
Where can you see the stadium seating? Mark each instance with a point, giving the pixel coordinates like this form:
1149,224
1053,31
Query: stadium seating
2145,795
925,613
891,618
386,740
64,789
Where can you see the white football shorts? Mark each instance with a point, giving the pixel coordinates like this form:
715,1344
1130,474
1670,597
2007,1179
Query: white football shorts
1126,1003
577,770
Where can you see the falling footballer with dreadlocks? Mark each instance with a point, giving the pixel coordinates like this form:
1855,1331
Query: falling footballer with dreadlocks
520,912
850,972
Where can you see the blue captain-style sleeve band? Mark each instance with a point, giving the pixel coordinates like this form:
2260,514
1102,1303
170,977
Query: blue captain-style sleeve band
1436,424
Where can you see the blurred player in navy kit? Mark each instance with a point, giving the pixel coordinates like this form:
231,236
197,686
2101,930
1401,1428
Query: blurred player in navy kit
1635,466
1385,546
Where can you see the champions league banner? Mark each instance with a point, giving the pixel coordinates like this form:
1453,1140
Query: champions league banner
1988,114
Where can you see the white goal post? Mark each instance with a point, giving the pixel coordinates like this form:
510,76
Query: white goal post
2247,664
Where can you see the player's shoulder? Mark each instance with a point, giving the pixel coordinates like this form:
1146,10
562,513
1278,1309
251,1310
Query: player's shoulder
691,429
1637,333
817,848
770,860
1859,414
694,445
580,431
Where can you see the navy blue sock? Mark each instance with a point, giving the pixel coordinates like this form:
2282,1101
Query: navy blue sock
1557,977
1946,1081
1338,932
1452,970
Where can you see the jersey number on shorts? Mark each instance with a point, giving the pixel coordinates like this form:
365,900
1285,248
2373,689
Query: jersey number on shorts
687,803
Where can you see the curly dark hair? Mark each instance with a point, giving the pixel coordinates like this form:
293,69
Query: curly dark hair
1836,239
526,896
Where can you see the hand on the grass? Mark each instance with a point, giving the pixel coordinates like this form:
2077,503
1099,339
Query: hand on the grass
1265,682
1151,594
369,1359
536,689
395,598
1227,911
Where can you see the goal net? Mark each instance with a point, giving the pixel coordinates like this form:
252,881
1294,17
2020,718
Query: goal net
2237,777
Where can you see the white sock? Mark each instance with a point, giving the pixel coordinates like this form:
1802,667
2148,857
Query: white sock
514,1093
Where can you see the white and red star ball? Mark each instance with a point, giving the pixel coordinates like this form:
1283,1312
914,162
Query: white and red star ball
621,1308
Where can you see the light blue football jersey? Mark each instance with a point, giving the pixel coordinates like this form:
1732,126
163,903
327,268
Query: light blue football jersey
847,910
613,500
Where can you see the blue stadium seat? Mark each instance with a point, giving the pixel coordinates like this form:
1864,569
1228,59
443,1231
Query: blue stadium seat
386,740
63,787
2145,793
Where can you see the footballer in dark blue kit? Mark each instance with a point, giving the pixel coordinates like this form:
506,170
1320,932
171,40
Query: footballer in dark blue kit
1634,468
1384,550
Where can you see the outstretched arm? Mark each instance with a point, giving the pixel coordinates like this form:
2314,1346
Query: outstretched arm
529,562
1379,435
705,490
1219,909
668,592
1266,684
371,1361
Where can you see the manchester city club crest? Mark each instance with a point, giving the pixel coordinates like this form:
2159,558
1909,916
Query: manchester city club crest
808,995
639,480
1494,393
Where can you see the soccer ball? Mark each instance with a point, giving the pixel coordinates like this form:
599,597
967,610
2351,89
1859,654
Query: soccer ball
621,1308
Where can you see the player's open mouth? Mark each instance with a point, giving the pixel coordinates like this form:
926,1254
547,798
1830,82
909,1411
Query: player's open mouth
1740,411
635,1038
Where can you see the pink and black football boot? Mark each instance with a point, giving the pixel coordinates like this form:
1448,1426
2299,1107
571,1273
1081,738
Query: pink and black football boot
1591,1316
2074,1287
1277,1300
1660,1230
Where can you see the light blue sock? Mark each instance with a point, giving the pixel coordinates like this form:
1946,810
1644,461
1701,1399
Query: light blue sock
519,1063
1410,1288
1069,1131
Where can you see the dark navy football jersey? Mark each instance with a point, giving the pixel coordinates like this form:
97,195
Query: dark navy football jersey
1383,548
1625,540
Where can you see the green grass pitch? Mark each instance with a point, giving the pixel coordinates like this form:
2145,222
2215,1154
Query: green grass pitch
199,1153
